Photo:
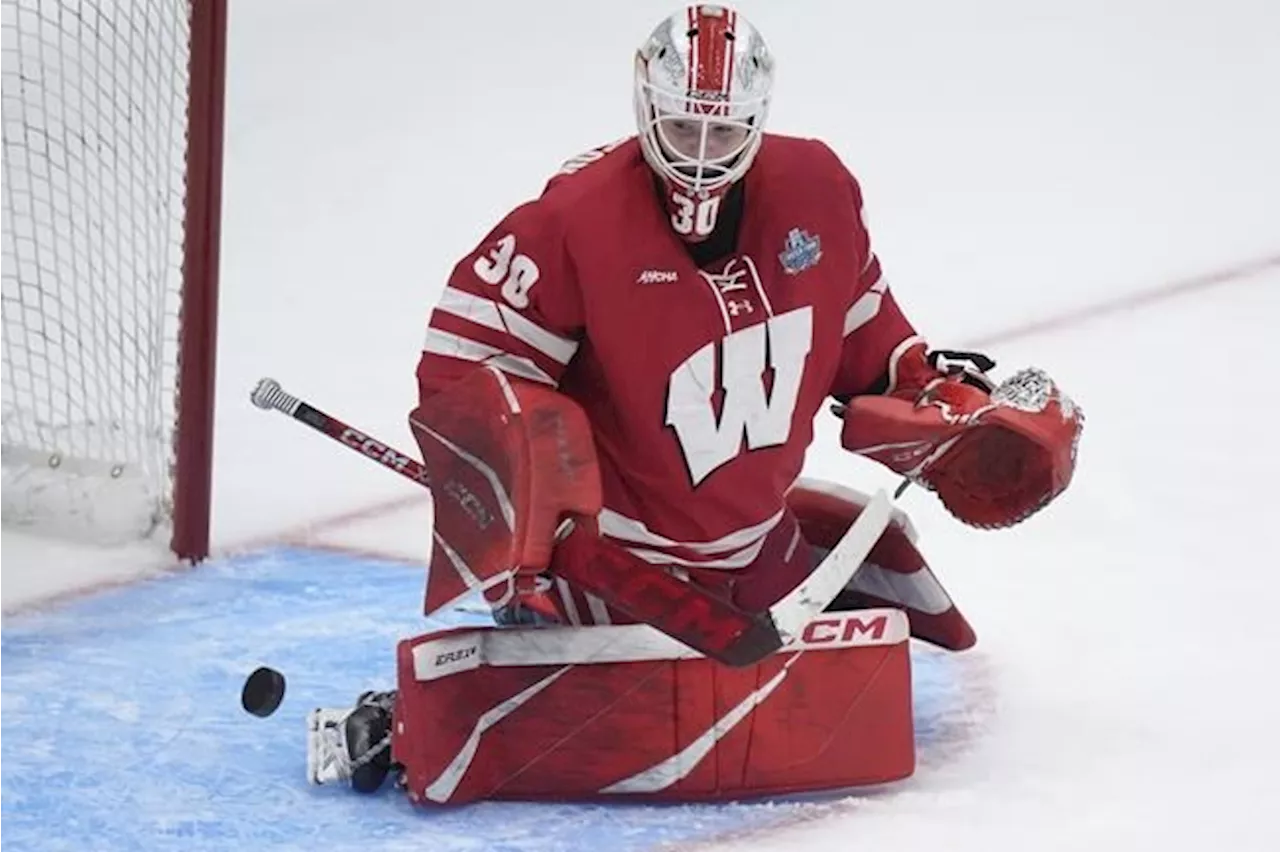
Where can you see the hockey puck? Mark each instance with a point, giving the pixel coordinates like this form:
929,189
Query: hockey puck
263,691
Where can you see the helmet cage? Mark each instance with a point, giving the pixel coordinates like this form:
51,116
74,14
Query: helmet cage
657,109
707,68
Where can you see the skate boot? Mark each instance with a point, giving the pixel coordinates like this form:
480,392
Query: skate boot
351,745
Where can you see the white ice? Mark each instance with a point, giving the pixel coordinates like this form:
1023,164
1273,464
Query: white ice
1020,161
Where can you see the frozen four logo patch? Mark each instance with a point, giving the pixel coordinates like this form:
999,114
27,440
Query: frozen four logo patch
802,251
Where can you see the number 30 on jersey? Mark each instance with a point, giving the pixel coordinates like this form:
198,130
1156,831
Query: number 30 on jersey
517,273
689,216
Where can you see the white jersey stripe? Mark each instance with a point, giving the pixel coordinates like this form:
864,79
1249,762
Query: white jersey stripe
470,307
499,317
616,525
738,559
450,345
865,309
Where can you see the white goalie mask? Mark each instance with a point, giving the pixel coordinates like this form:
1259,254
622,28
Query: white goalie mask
702,88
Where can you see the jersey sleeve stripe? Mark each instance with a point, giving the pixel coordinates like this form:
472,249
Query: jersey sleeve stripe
451,345
501,318
866,307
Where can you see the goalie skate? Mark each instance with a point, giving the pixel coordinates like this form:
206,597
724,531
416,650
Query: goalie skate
351,745
328,761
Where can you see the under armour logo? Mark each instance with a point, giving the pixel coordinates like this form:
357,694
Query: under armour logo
736,307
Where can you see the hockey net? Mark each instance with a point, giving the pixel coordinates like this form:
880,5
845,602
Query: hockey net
112,122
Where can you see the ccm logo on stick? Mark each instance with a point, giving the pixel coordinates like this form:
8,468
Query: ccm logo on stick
374,449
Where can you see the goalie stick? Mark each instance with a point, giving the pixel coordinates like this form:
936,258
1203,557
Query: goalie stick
706,623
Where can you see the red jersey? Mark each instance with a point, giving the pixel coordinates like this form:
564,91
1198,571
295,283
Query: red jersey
701,383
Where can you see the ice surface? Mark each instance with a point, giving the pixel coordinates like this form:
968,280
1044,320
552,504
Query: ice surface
123,727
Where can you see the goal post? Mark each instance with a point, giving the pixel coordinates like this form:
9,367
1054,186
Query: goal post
193,463
112,119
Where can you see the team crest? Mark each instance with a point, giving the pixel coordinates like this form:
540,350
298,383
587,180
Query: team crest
802,251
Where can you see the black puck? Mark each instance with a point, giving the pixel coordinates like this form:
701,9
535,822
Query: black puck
263,691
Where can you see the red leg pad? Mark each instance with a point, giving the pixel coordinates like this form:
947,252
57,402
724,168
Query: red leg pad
592,713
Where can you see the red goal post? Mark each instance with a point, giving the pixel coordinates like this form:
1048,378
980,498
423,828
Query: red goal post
113,120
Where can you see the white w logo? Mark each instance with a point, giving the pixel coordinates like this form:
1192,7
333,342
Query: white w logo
780,345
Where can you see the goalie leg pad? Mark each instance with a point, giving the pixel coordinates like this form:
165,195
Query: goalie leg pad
591,713
508,461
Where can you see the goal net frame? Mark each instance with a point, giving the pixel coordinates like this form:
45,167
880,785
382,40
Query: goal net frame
184,440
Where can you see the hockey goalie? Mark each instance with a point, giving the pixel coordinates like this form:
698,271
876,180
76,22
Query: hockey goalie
617,391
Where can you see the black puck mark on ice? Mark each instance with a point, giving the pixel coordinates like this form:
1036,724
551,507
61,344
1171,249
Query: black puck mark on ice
263,692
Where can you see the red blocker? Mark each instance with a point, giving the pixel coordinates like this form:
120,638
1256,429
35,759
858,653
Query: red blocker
625,712
508,460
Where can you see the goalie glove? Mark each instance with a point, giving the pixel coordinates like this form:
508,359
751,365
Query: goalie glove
994,454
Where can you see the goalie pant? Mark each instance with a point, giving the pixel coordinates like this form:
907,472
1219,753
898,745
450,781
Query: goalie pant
784,559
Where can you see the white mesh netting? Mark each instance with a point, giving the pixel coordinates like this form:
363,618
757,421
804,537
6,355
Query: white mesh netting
94,116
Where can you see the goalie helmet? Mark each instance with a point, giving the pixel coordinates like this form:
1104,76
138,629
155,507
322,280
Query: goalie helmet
702,89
